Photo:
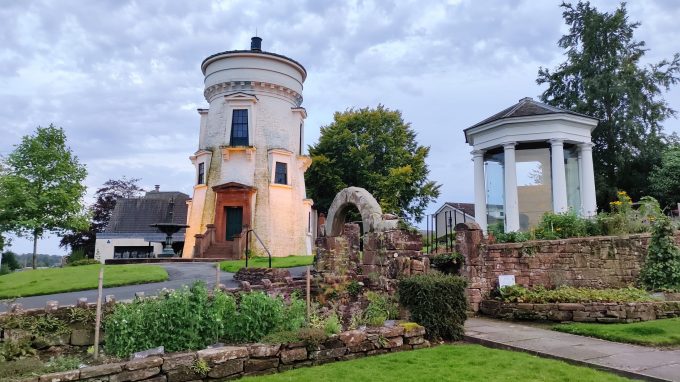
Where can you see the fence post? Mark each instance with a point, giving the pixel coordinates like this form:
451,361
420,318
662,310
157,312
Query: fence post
309,287
98,319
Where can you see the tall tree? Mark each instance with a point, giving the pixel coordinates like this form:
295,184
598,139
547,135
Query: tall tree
664,180
42,189
603,77
374,149
100,213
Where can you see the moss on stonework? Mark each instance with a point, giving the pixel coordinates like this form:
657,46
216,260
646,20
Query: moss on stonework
409,326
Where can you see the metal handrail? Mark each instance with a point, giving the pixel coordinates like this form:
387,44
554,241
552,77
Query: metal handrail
261,243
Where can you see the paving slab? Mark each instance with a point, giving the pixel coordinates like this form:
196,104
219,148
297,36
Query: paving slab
638,362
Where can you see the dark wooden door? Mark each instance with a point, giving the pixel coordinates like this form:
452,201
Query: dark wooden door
234,221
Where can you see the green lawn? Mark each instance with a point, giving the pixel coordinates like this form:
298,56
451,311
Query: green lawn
68,279
648,333
446,363
263,262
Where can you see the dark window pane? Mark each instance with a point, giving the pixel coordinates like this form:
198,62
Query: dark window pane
281,173
201,173
239,127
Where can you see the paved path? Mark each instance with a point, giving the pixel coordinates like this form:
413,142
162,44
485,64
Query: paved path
628,360
179,274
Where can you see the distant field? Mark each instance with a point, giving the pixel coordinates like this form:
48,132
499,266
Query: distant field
263,262
69,279
648,333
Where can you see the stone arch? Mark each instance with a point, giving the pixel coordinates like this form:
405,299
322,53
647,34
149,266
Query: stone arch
371,213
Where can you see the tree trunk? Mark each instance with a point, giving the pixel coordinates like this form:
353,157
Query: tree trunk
35,248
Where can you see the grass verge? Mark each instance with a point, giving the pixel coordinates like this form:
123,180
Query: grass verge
649,333
69,279
263,262
446,363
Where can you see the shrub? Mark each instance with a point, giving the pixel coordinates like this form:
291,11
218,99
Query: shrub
437,302
12,350
661,269
333,325
540,295
82,262
448,263
354,288
561,226
259,315
76,255
380,307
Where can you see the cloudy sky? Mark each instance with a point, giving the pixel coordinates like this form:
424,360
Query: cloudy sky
123,78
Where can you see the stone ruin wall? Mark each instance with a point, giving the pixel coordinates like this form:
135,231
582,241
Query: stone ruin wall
598,262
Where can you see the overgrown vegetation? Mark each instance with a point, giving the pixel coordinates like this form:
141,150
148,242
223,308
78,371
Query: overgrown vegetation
437,302
192,318
648,333
661,270
541,295
448,263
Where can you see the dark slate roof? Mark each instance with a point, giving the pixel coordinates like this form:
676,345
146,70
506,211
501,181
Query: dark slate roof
524,108
253,52
134,215
467,208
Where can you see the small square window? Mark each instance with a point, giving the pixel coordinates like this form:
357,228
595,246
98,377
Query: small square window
201,173
281,173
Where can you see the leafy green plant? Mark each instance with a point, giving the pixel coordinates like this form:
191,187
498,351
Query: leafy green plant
541,295
561,226
200,367
332,325
448,263
661,269
380,307
437,302
81,315
12,350
80,262
62,363
354,288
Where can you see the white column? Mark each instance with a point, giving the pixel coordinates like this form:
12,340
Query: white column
588,196
510,181
480,189
559,176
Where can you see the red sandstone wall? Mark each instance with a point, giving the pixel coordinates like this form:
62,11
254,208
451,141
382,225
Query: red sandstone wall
604,261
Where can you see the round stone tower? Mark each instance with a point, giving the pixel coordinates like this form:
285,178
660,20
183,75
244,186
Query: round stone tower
250,164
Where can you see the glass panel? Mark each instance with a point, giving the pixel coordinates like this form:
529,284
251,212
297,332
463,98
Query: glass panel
239,127
495,192
571,165
281,173
534,189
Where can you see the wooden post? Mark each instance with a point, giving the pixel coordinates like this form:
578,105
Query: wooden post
309,287
217,275
98,320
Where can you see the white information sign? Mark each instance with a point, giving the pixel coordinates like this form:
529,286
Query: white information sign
506,280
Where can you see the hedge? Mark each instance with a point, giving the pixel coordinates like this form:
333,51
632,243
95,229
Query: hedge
436,301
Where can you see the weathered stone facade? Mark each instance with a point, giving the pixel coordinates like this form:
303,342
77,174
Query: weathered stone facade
602,312
597,262
231,362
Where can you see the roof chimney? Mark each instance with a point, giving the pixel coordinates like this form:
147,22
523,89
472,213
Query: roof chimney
256,44
157,187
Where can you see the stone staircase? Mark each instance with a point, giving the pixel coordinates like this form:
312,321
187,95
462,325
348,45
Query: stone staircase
221,251
207,247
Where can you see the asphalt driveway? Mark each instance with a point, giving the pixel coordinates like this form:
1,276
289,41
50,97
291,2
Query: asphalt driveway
179,274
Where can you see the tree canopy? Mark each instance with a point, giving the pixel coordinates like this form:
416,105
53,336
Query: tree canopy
664,180
100,213
604,77
374,149
41,187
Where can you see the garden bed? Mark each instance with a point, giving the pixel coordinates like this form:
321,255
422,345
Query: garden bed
602,312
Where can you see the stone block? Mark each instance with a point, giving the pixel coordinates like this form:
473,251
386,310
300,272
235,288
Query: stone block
158,378
297,365
177,360
414,340
226,369
183,374
559,315
394,331
144,363
71,375
414,331
263,350
135,375
148,353
327,353
352,337
16,334
253,365
425,344
364,346
291,355
570,306
100,370
393,342
82,337
222,354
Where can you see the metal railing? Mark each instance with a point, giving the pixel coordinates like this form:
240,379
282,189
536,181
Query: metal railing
261,243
